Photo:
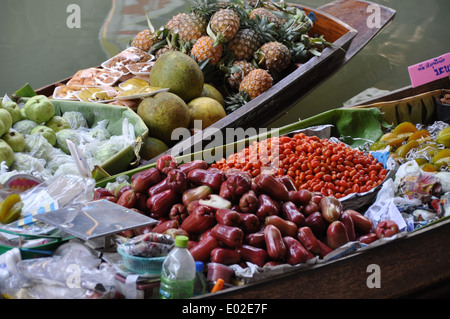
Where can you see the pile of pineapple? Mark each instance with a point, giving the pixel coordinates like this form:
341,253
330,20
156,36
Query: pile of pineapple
243,47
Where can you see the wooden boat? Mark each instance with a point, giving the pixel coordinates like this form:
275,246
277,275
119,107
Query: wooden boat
415,266
343,23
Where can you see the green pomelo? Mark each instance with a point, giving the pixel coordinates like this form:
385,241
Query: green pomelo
152,147
6,153
46,132
207,110
164,113
179,73
212,92
15,140
39,108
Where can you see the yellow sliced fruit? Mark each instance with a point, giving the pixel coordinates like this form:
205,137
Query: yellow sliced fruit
421,161
444,137
440,155
428,167
378,145
403,150
10,209
392,140
445,161
419,135
388,136
404,128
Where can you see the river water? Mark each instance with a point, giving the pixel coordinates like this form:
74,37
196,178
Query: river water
43,41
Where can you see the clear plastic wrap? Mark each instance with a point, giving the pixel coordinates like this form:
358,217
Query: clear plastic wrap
148,245
72,276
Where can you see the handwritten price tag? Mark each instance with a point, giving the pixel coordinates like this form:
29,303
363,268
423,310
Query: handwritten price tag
430,70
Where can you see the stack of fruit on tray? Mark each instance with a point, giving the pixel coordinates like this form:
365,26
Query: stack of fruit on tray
232,217
428,145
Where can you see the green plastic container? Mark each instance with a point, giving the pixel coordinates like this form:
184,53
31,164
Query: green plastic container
142,265
45,250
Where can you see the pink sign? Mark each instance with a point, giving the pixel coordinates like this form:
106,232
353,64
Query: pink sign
430,70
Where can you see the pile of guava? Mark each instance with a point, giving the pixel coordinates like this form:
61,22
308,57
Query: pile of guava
34,139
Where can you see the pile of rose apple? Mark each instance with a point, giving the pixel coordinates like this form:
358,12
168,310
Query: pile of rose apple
231,217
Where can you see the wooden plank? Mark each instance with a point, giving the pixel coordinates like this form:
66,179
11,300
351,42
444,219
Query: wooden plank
408,267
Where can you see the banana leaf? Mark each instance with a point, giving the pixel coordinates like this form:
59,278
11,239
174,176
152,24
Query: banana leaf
415,109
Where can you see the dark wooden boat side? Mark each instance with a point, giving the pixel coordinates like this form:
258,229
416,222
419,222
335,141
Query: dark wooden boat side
411,267
407,91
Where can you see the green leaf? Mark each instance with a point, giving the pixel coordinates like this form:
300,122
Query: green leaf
25,91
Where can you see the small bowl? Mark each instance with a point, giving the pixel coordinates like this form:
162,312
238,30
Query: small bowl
142,265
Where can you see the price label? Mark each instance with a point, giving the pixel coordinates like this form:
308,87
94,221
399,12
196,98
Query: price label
430,70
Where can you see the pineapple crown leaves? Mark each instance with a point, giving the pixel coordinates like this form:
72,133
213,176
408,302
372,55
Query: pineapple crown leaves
235,101
150,25
211,73
218,38
170,40
265,30
204,8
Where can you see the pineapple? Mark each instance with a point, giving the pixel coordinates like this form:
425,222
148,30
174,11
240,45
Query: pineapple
274,57
263,12
255,83
241,68
144,40
205,48
225,23
244,44
185,26
201,11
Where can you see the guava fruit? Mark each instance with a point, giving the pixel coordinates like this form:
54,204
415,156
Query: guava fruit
75,119
14,110
25,127
57,123
212,92
2,128
15,140
39,108
6,119
6,153
164,113
64,135
152,147
26,163
100,133
107,150
58,161
207,110
179,73
46,132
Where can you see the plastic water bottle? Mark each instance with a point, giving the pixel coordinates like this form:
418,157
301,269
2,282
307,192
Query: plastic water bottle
200,281
178,272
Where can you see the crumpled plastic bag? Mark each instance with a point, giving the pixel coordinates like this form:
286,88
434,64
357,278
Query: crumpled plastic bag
71,276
